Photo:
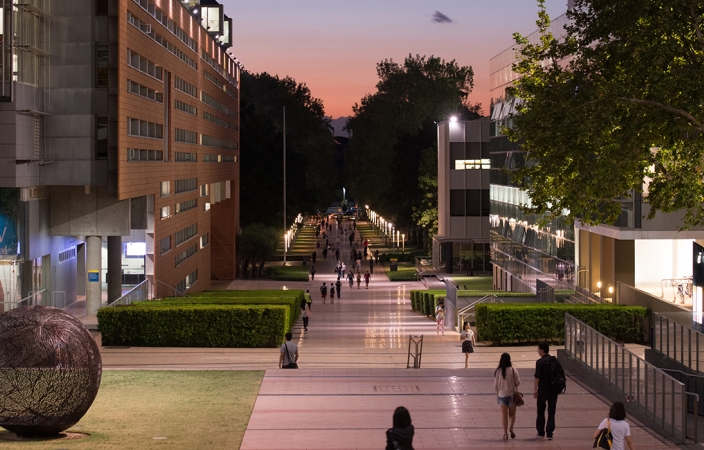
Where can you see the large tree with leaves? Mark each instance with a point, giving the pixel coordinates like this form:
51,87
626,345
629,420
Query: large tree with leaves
309,150
392,127
618,100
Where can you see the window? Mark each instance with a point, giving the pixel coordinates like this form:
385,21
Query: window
185,107
188,184
223,123
212,102
204,240
185,157
138,154
164,245
101,65
486,203
184,255
144,65
211,158
166,212
226,158
143,128
101,7
101,137
185,136
472,164
204,189
186,234
191,278
457,203
186,205
165,188
185,87
210,141
144,91
473,197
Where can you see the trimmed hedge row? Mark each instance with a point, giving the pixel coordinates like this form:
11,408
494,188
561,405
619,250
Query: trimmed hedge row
425,301
194,326
535,322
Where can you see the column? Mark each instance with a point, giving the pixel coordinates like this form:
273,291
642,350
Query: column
93,291
114,268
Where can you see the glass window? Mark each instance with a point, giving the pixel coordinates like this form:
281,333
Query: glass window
101,137
473,197
101,7
101,65
165,188
457,202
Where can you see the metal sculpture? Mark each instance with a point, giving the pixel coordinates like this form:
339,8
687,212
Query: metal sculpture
50,370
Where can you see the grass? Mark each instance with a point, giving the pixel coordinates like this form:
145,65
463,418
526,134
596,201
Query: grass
192,409
405,272
287,273
475,283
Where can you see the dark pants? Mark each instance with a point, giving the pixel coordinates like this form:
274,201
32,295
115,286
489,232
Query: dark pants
551,401
305,322
338,292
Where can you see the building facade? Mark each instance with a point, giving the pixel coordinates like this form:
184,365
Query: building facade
119,124
462,241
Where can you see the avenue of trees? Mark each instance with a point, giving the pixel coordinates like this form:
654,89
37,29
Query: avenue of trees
616,102
391,163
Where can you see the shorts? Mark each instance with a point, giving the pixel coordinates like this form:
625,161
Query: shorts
467,347
505,401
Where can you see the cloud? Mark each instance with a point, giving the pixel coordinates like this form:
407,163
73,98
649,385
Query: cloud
439,17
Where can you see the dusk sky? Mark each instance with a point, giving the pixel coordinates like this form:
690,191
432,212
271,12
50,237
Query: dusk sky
333,46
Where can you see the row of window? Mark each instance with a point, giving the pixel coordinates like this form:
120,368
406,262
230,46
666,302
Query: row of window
212,102
166,187
144,65
139,154
187,282
144,91
186,205
228,90
185,107
185,185
210,141
185,136
469,202
186,234
185,87
219,158
186,157
170,25
144,128
147,29
184,255
223,123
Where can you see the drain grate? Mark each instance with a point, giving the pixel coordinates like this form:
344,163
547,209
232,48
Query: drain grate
396,389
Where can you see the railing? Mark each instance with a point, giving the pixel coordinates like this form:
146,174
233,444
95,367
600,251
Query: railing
139,293
588,295
681,287
678,342
425,266
693,384
34,298
468,311
658,396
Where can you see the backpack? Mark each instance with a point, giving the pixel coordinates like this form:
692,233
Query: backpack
558,381
323,290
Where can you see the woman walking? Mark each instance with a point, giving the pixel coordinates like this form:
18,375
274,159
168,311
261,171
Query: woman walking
400,437
620,430
332,293
506,382
350,278
305,313
468,343
359,279
440,317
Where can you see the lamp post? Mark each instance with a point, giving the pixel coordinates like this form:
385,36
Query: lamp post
404,243
285,244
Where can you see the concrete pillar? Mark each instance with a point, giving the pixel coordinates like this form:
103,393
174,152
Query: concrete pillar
27,278
114,268
93,291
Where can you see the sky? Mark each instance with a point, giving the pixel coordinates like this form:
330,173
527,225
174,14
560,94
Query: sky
333,46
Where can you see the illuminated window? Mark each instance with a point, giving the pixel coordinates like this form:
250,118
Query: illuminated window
467,164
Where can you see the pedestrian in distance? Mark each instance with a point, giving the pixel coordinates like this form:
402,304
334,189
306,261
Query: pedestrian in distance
506,382
376,255
337,253
317,244
344,267
350,278
307,298
468,343
371,265
312,273
313,256
359,279
367,277
400,437
288,357
620,430
440,317
305,313
324,292
332,293
543,392
325,252
359,264
338,285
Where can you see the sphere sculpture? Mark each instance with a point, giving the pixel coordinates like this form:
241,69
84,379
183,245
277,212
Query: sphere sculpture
50,371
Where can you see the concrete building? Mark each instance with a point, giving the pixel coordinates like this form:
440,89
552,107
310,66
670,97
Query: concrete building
462,241
118,124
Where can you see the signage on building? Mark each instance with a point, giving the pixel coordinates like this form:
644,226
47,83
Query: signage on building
94,276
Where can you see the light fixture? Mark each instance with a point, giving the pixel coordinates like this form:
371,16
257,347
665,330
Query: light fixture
611,289
453,118
598,284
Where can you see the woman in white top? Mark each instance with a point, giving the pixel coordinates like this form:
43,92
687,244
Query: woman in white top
506,380
440,317
468,343
620,430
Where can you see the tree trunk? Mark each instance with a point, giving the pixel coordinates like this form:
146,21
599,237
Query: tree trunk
245,265
261,268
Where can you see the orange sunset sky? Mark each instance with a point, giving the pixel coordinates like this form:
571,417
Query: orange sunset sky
333,46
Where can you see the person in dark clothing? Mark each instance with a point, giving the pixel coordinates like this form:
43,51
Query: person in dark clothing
325,253
543,393
313,256
338,285
400,437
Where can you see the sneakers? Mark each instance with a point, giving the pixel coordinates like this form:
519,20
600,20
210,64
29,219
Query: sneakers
549,438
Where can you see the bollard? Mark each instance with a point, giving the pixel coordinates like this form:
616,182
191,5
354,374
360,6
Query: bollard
415,351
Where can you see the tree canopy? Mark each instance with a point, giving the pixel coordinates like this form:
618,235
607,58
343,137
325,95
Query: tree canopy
616,101
392,127
309,150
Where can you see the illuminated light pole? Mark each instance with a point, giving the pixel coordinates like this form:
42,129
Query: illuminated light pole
404,243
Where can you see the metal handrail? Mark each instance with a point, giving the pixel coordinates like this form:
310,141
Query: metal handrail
678,342
137,293
464,312
657,395
675,282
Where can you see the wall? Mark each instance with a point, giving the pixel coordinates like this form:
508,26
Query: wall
662,258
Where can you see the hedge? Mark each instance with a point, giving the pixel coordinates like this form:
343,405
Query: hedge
194,326
535,322
417,297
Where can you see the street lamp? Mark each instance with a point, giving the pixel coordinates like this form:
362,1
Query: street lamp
404,243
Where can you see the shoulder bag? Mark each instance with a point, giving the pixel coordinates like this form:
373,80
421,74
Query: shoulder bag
517,396
291,362
605,438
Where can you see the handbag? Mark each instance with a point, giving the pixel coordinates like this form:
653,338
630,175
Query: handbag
292,363
517,396
605,438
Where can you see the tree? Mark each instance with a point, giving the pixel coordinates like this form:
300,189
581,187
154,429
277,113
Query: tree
257,245
617,101
391,128
309,150
426,213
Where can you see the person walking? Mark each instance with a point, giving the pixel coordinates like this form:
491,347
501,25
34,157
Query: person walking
359,263
288,356
306,296
371,265
620,430
400,437
506,382
367,276
304,313
338,285
325,251
344,267
468,343
350,278
376,255
313,256
359,279
337,252
332,293
543,393
324,292
440,317
312,273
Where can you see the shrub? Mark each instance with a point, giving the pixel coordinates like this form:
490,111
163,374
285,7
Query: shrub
287,273
194,325
535,322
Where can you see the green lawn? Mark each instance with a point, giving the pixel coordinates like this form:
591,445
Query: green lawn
299,272
191,409
406,272
474,283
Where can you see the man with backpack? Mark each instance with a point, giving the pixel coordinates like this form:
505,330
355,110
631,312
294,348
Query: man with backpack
324,292
548,383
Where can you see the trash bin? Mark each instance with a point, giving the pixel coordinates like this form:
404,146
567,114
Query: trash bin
394,267
304,261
